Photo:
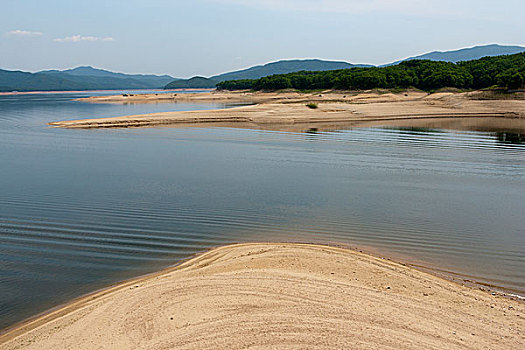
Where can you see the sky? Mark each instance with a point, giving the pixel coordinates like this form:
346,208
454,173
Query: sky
207,37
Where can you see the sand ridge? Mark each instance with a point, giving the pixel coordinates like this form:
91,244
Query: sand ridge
282,296
288,111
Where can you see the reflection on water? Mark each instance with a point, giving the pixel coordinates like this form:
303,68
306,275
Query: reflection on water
418,130
312,131
510,137
80,209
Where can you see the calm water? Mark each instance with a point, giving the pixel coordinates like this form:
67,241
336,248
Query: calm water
81,209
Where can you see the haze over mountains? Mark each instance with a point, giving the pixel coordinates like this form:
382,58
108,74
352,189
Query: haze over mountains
85,71
80,78
89,78
471,53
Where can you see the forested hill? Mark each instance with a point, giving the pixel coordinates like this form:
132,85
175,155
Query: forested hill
291,66
506,71
283,67
467,54
280,67
192,83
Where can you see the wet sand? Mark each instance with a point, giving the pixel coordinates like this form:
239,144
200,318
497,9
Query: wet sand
285,296
287,111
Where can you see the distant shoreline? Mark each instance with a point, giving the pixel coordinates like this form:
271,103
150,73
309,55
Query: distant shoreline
289,111
88,91
213,299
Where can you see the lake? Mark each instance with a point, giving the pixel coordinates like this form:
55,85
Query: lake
82,209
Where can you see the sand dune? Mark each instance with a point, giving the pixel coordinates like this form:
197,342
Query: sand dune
281,296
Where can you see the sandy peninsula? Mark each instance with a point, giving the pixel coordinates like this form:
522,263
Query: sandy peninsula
288,111
281,296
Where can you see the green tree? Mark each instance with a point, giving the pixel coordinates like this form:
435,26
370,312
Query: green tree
506,71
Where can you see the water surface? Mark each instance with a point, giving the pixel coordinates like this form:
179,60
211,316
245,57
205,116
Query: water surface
81,209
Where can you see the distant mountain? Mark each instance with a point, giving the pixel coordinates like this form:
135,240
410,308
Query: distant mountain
80,78
290,66
279,67
24,81
89,78
472,53
148,80
283,67
506,72
192,83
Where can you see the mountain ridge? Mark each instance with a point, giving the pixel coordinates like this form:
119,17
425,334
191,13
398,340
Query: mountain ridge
90,78
79,78
465,54
92,71
286,66
259,71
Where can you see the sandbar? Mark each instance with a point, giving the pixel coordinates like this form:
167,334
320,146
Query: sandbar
280,296
288,111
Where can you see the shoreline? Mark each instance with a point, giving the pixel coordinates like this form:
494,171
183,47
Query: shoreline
288,111
404,260
37,92
195,262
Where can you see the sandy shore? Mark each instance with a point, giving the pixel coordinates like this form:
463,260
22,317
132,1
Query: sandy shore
281,296
288,111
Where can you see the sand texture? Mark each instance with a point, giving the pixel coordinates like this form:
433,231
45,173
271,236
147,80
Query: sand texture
281,296
288,111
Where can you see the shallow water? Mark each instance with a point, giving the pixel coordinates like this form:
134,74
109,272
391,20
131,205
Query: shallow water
81,209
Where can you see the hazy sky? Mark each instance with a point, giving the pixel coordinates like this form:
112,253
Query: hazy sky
205,37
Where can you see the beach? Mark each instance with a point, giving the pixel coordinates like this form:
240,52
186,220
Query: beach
280,296
288,111
227,174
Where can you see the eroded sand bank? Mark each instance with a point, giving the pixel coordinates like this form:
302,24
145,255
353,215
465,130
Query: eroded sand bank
281,296
288,111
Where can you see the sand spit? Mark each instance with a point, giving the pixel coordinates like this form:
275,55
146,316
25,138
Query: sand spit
281,296
288,111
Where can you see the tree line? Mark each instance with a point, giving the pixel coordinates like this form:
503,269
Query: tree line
506,71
